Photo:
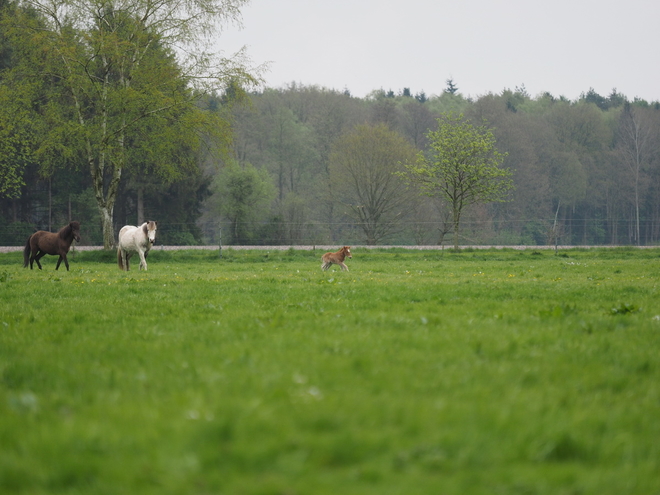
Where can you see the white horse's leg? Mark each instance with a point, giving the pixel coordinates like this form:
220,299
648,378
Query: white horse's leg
143,261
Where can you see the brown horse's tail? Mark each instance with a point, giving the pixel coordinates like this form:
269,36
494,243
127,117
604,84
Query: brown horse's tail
26,253
120,260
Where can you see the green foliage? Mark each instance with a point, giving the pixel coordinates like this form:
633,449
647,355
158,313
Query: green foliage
17,124
535,233
415,372
14,233
12,157
463,167
116,96
166,132
624,309
244,194
178,239
87,213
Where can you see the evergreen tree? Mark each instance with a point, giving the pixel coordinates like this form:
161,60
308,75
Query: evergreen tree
451,87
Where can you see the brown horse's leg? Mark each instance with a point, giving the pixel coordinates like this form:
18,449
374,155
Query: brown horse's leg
37,256
66,262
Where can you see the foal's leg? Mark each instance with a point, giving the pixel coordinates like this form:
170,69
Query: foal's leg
343,266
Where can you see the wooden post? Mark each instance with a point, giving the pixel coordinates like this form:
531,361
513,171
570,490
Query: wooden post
220,241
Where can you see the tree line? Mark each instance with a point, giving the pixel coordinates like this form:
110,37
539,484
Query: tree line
584,172
103,121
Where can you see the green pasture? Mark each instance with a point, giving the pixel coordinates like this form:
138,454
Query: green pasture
417,372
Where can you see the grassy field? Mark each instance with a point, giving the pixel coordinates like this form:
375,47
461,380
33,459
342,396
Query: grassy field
479,372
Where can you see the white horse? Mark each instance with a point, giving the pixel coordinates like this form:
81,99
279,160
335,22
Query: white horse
135,240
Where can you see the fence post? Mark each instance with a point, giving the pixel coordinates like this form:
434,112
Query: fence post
220,241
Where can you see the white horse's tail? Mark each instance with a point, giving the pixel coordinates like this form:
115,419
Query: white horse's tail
120,259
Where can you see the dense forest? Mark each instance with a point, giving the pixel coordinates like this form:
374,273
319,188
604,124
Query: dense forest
585,171
310,165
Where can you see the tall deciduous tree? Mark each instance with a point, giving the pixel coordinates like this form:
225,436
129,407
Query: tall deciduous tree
637,145
363,170
463,167
102,54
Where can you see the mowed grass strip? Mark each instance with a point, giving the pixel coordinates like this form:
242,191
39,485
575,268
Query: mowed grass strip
257,373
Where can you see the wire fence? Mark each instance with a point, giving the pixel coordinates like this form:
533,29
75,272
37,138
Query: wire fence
542,232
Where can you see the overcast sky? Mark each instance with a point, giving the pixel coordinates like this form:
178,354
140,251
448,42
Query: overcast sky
564,46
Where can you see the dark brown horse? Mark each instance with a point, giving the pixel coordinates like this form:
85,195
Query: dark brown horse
42,243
